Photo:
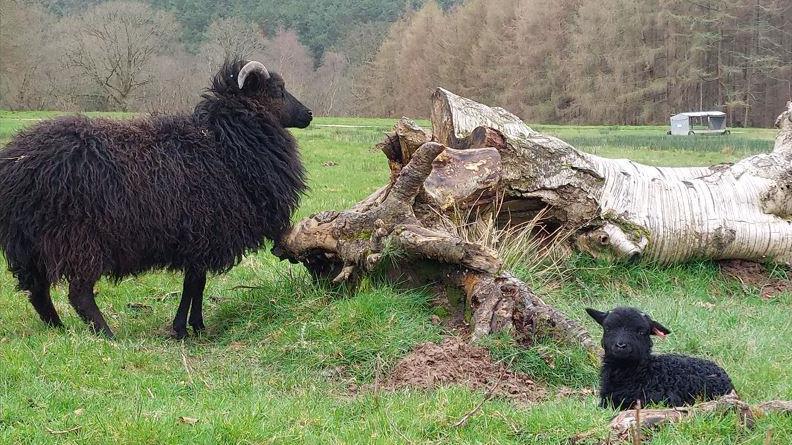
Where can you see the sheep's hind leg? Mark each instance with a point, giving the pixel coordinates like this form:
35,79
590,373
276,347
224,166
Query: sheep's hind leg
81,297
196,310
40,298
192,291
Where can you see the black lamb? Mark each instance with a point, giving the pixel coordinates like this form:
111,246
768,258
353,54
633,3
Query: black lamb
631,373
83,198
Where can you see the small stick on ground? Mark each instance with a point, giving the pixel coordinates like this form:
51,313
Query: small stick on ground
186,366
189,372
166,295
584,436
398,431
637,430
57,432
244,287
508,422
768,439
487,396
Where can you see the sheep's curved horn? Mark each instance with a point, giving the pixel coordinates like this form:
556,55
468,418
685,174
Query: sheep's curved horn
250,67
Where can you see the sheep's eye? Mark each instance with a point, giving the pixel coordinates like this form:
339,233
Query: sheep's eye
277,91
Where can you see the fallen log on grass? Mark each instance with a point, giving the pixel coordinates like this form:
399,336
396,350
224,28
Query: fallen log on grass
635,425
626,210
630,422
483,162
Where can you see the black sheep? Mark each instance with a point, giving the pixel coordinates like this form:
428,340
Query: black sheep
81,198
631,373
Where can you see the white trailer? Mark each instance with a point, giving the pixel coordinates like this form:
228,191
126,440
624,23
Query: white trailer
698,122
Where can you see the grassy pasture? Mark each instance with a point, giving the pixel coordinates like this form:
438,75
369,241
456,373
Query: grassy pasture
278,361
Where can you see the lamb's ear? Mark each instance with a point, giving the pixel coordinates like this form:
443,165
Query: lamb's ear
658,329
598,316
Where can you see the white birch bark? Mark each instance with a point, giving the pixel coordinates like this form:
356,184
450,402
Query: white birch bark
627,210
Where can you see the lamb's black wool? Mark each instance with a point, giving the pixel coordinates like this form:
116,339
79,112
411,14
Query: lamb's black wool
630,372
81,198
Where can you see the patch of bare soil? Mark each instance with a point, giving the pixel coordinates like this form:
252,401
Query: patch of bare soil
455,362
755,275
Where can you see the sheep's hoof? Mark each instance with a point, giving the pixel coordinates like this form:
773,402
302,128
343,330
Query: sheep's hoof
103,331
54,323
178,334
198,326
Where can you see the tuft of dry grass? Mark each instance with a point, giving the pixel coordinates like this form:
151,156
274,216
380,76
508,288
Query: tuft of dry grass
528,249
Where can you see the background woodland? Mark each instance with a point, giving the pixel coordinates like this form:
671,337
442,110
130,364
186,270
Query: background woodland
550,61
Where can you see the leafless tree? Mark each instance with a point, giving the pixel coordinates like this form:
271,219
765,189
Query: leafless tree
230,38
330,86
112,46
23,43
173,88
291,59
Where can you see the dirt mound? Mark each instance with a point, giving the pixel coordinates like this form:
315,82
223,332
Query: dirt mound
455,362
755,275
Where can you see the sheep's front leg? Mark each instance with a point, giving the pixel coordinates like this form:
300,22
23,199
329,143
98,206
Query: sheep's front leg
192,290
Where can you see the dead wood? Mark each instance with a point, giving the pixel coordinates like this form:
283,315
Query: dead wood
616,208
627,421
403,231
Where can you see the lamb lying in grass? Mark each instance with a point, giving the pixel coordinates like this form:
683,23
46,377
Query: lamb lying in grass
630,373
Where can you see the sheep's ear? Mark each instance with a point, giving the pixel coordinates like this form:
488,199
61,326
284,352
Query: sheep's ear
598,316
658,329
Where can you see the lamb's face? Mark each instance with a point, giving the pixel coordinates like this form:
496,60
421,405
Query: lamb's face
626,335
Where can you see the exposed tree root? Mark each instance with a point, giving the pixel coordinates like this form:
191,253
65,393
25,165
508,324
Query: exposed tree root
402,231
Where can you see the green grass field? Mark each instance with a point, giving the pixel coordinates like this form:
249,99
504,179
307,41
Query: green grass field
277,361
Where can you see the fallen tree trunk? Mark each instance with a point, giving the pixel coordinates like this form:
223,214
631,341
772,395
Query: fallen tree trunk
487,161
626,210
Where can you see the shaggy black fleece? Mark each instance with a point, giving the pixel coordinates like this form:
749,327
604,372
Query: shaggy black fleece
630,372
81,198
